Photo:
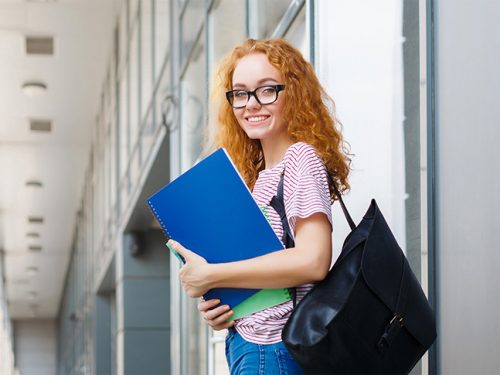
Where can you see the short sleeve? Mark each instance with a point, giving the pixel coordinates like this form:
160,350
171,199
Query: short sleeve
307,191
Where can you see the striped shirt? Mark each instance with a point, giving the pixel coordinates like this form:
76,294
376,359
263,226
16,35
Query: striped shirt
305,193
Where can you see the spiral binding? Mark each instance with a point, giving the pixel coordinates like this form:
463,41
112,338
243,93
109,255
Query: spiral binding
155,213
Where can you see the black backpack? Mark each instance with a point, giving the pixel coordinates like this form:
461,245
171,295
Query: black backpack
369,315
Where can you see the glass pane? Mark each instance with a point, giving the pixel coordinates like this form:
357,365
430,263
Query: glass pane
147,138
298,35
226,28
113,168
193,107
165,103
220,363
196,340
191,22
134,5
122,37
226,25
123,123
368,60
146,55
135,166
161,34
264,18
193,98
134,88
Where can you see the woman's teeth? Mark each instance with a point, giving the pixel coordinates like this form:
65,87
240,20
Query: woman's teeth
257,118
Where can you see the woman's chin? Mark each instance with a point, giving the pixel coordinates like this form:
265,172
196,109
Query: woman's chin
254,133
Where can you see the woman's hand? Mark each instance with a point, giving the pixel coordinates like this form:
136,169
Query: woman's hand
216,317
194,274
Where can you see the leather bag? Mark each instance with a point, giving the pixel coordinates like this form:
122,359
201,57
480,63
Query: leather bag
369,315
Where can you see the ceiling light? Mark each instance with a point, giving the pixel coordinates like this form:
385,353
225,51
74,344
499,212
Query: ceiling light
35,219
37,125
34,248
34,88
34,183
39,45
33,234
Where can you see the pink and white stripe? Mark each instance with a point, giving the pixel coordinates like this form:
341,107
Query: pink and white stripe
305,193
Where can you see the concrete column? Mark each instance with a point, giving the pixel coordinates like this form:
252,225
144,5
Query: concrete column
468,185
143,305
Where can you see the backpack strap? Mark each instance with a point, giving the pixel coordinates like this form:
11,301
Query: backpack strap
278,203
342,204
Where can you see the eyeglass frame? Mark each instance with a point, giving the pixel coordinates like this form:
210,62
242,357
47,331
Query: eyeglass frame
250,93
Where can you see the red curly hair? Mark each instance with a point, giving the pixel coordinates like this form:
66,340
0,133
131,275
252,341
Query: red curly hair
305,111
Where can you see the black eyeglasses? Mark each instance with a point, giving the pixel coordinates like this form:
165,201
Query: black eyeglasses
264,95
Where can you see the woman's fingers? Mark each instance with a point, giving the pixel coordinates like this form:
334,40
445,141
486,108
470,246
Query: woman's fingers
221,321
203,306
216,316
223,326
214,313
186,254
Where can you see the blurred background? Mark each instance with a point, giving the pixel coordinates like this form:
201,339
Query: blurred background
102,102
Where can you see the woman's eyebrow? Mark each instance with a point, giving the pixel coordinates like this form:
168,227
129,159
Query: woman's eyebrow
259,82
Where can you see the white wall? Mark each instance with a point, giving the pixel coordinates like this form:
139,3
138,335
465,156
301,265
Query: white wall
468,173
35,347
359,62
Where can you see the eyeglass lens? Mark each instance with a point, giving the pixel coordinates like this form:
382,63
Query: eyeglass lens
264,95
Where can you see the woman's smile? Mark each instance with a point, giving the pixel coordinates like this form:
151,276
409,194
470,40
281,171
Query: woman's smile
256,120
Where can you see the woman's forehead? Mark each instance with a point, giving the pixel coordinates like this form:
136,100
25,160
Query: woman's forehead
255,69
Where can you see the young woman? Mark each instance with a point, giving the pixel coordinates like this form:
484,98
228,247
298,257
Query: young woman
274,119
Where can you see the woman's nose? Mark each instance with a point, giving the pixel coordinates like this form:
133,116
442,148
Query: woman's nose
253,102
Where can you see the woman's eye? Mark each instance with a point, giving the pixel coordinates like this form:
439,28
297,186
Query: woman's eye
240,94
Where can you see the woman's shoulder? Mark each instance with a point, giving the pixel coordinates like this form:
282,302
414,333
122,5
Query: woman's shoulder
302,157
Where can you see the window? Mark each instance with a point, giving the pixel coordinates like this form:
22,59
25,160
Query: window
298,35
146,43
226,28
193,99
161,34
191,24
368,61
264,18
134,87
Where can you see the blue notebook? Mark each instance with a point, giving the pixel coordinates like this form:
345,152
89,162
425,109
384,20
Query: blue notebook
210,210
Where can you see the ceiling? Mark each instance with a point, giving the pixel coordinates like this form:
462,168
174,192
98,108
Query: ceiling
82,35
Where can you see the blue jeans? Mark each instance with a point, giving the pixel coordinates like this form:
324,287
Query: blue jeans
246,358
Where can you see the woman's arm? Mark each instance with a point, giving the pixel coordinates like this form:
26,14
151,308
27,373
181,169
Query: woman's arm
308,261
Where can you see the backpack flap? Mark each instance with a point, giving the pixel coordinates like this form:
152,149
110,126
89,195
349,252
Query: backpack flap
382,267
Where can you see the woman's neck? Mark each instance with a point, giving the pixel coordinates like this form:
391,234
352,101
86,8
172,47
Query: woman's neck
274,151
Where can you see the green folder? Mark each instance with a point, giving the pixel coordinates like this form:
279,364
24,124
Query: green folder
261,300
